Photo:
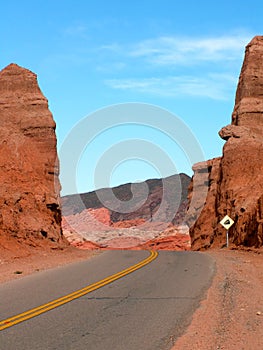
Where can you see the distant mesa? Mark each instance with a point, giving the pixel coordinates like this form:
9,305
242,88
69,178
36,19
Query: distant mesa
175,196
87,219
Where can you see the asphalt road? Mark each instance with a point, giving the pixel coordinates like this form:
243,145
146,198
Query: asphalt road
146,310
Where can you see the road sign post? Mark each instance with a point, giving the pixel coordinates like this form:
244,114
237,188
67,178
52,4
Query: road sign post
227,222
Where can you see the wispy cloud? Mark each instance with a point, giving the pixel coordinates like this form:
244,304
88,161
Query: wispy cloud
213,86
172,50
181,66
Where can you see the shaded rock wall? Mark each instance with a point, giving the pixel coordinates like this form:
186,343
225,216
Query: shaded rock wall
29,192
201,217
235,181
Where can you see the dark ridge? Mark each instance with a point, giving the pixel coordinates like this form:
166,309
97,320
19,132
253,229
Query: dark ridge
170,193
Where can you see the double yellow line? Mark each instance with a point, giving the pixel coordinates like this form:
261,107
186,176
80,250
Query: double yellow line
9,322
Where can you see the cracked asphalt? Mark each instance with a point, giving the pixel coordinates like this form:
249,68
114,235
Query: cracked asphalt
146,310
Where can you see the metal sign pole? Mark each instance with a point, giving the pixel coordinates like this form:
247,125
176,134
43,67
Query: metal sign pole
227,238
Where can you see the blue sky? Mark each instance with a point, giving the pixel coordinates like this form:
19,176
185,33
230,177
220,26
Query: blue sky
182,56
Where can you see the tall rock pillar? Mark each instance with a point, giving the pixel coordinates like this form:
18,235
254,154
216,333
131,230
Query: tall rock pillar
29,192
235,186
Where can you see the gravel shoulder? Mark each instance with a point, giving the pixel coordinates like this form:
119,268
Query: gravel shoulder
231,315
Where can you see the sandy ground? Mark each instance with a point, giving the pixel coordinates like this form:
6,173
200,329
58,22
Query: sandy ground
230,317
37,260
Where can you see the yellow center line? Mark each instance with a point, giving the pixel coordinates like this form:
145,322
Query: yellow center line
9,322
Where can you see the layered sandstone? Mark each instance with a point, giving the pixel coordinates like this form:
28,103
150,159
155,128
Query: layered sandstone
127,215
93,229
234,181
155,200
29,193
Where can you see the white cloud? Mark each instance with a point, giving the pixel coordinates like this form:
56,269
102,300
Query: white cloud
181,51
172,50
212,86
181,66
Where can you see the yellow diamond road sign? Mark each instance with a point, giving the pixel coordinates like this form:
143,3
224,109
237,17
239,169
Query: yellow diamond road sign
227,222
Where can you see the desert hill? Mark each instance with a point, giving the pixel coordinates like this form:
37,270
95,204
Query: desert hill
132,195
123,216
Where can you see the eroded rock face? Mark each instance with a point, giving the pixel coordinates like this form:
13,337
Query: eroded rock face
235,181
165,200
249,96
89,218
29,192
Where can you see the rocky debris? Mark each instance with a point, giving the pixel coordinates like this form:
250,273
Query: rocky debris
86,245
234,182
177,242
29,194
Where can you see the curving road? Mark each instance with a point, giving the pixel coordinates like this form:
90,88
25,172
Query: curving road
145,310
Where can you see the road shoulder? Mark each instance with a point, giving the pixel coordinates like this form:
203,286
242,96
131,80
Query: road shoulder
35,259
231,316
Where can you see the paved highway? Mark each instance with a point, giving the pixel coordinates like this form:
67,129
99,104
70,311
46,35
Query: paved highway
145,310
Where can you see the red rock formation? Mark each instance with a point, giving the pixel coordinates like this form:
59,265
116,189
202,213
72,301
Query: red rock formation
92,229
176,242
235,180
29,193
87,245
206,175
88,220
129,223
